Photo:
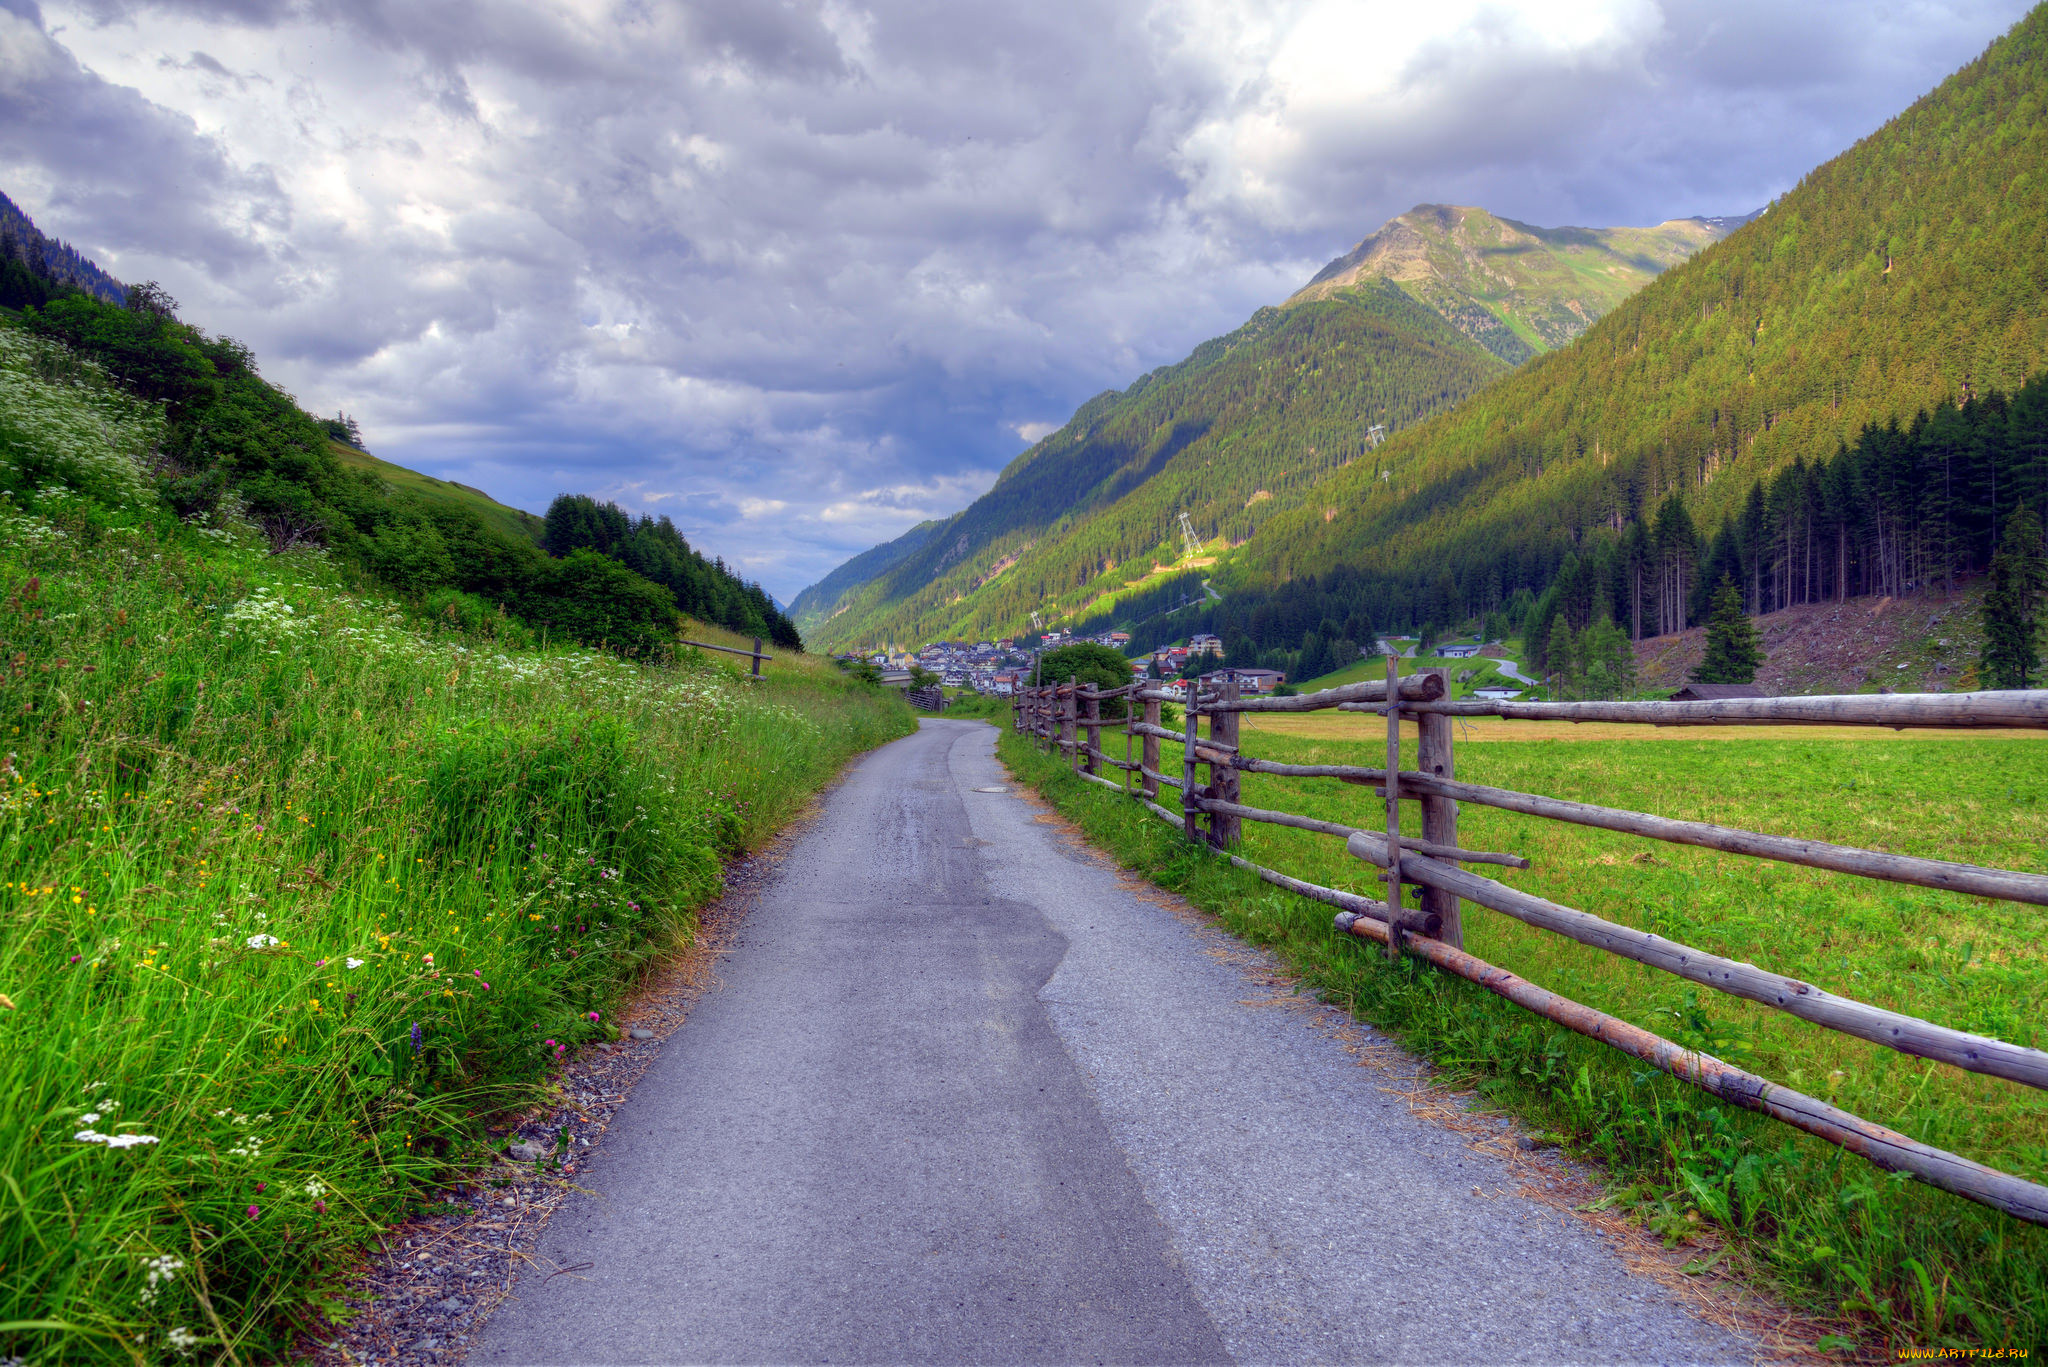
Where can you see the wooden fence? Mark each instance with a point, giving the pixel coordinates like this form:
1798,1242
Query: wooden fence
928,699
755,653
1071,719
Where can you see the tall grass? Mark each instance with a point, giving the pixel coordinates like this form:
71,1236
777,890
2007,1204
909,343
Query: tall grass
1905,1263
297,889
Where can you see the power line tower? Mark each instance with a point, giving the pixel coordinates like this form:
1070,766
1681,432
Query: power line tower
1191,545
1036,625
1375,434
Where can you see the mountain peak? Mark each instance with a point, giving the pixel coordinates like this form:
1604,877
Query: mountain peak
1514,288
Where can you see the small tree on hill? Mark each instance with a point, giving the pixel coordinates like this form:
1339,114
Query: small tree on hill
2012,605
1733,647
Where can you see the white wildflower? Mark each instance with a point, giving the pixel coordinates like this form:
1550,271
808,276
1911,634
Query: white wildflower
261,941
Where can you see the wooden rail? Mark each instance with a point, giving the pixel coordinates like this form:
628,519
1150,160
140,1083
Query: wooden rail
1432,866
734,650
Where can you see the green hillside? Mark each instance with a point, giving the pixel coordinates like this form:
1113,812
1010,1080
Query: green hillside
493,514
1435,305
1515,289
234,451
1909,271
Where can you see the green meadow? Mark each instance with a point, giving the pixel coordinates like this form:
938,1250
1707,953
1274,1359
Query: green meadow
301,885
1900,1262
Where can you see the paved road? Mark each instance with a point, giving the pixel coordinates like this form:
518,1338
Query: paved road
1509,668
965,1095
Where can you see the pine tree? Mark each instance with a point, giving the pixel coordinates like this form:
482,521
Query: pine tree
1733,648
1557,655
2012,605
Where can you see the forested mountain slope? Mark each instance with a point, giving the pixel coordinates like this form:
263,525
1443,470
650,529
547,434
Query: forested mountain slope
1909,271
1515,289
35,268
815,603
1246,424
1427,310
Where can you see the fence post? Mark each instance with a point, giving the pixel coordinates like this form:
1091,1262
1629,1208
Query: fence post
1188,809
1439,814
1094,716
757,657
1393,791
1149,756
1130,715
1070,714
1224,831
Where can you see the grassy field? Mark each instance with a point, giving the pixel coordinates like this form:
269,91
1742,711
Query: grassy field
1904,1262
301,889
1465,674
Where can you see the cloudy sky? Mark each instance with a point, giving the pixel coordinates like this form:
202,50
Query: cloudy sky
800,273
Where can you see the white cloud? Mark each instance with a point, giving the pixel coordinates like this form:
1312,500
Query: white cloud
799,266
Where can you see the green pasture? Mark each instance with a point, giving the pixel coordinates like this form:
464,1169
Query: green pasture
1464,674
1897,1262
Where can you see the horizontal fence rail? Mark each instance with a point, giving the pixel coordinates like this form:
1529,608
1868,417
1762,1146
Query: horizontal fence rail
755,653
1432,865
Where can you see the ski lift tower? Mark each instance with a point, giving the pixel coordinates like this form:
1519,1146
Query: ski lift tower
1191,545
1375,434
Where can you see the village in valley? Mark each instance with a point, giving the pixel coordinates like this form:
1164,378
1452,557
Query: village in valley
999,668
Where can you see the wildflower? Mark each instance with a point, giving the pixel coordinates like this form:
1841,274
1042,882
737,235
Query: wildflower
158,1271
254,1212
262,941
426,958
260,1186
183,1339
355,963
319,963
114,1141
417,1034
90,1117
594,1015
319,1207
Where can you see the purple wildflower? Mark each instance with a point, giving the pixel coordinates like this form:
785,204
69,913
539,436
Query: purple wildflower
417,1035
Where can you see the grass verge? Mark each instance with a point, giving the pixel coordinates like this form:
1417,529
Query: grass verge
303,885
1897,1263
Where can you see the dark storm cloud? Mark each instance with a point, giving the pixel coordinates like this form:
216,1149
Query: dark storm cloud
800,274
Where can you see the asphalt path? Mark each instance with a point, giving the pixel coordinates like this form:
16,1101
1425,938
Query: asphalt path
966,1094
